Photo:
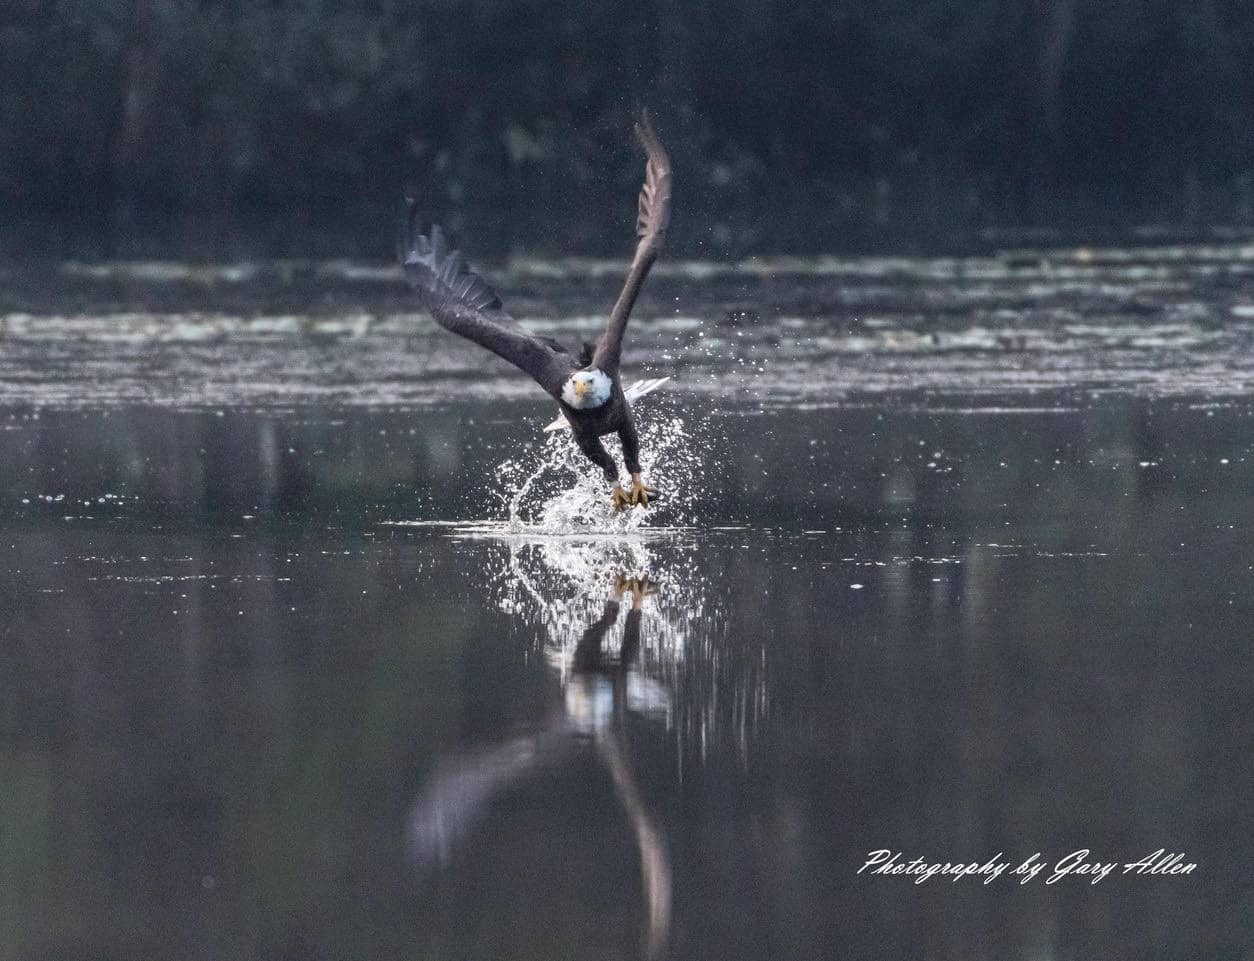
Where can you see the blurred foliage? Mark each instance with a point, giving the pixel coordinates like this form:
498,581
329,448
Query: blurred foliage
218,127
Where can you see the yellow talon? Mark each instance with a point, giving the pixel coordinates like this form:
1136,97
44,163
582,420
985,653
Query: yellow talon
641,587
640,491
620,498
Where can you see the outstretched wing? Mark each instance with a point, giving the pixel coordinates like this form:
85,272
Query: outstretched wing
651,224
461,301
462,789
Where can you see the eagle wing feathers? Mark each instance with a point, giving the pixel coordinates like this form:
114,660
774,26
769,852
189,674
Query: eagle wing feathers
653,216
463,302
653,219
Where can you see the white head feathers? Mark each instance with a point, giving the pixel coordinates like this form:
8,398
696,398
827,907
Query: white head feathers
585,389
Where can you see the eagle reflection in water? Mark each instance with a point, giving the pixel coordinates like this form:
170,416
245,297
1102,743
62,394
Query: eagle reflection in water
599,690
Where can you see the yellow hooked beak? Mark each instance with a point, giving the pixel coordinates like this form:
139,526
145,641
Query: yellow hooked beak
581,389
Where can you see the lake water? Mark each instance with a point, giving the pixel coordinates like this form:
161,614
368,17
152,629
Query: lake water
955,560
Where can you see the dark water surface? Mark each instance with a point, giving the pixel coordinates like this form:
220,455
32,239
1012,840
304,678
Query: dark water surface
956,560
267,691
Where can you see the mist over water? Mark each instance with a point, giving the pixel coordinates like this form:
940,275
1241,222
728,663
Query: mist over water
317,646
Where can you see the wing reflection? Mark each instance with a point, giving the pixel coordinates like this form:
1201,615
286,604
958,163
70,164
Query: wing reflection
600,688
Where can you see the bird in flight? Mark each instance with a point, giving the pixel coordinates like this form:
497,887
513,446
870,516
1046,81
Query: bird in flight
587,385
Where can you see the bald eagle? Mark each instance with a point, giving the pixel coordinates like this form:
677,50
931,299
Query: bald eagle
586,386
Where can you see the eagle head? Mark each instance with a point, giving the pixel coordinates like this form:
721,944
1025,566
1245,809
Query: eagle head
585,389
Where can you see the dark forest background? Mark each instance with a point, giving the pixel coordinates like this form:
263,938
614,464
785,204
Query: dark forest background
223,128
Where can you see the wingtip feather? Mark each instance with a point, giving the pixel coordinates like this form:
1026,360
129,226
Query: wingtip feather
651,142
653,209
439,271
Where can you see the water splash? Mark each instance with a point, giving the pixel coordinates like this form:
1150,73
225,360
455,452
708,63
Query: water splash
558,586
553,489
